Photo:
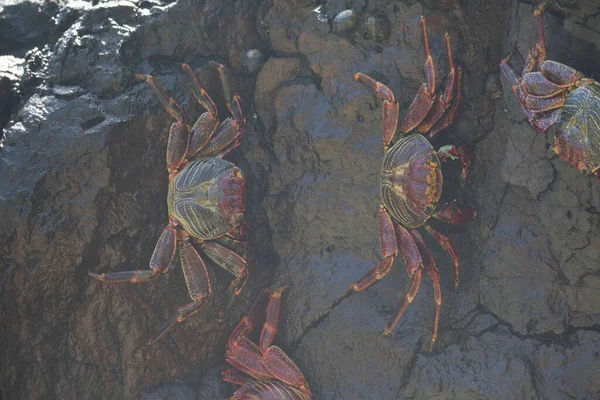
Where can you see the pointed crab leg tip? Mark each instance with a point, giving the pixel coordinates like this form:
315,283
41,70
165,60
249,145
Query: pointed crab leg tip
216,64
99,277
352,287
140,77
386,332
356,76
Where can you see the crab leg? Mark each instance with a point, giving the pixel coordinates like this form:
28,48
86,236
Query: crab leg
198,284
451,113
423,101
463,153
452,213
228,134
207,123
276,361
269,330
389,250
443,101
431,269
179,133
447,245
390,108
232,262
429,67
242,353
414,267
160,262
236,377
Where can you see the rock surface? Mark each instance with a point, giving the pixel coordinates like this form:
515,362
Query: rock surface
83,186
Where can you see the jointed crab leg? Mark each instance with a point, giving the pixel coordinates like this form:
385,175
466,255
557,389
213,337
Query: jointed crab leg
447,245
429,67
389,250
236,377
431,269
463,153
169,104
269,330
424,99
273,363
160,262
198,284
390,108
443,101
412,288
232,262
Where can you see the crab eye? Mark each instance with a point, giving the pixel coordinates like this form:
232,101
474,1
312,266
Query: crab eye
584,171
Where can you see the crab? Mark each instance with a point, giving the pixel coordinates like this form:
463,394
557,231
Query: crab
264,371
551,93
411,182
206,199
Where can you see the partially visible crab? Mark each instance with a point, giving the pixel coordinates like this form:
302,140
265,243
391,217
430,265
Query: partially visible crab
265,372
411,182
553,93
206,199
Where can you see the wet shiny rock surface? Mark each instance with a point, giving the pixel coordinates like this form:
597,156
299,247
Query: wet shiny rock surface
83,187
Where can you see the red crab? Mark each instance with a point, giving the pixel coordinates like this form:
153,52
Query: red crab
411,182
553,93
206,199
265,372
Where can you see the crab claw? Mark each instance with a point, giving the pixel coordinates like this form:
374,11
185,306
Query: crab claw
452,213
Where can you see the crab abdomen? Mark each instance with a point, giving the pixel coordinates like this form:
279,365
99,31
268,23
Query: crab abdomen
411,180
577,137
208,197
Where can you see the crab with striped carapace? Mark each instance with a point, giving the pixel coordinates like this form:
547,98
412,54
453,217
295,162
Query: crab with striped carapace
206,199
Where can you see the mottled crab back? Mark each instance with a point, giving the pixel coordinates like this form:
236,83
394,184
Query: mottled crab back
411,180
208,197
577,135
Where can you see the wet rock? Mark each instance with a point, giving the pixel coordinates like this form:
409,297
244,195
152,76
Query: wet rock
24,25
252,61
84,187
176,390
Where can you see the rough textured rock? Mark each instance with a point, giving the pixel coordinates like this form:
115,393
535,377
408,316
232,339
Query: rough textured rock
83,185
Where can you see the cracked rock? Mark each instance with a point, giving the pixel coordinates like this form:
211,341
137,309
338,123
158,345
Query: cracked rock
84,184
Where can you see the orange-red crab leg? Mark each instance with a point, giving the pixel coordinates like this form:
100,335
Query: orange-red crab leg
198,284
423,101
269,330
389,250
451,112
414,267
452,213
179,133
443,101
463,153
447,245
228,134
390,108
246,356
232,262
160,262
431,269
207,123
414,283
236,377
